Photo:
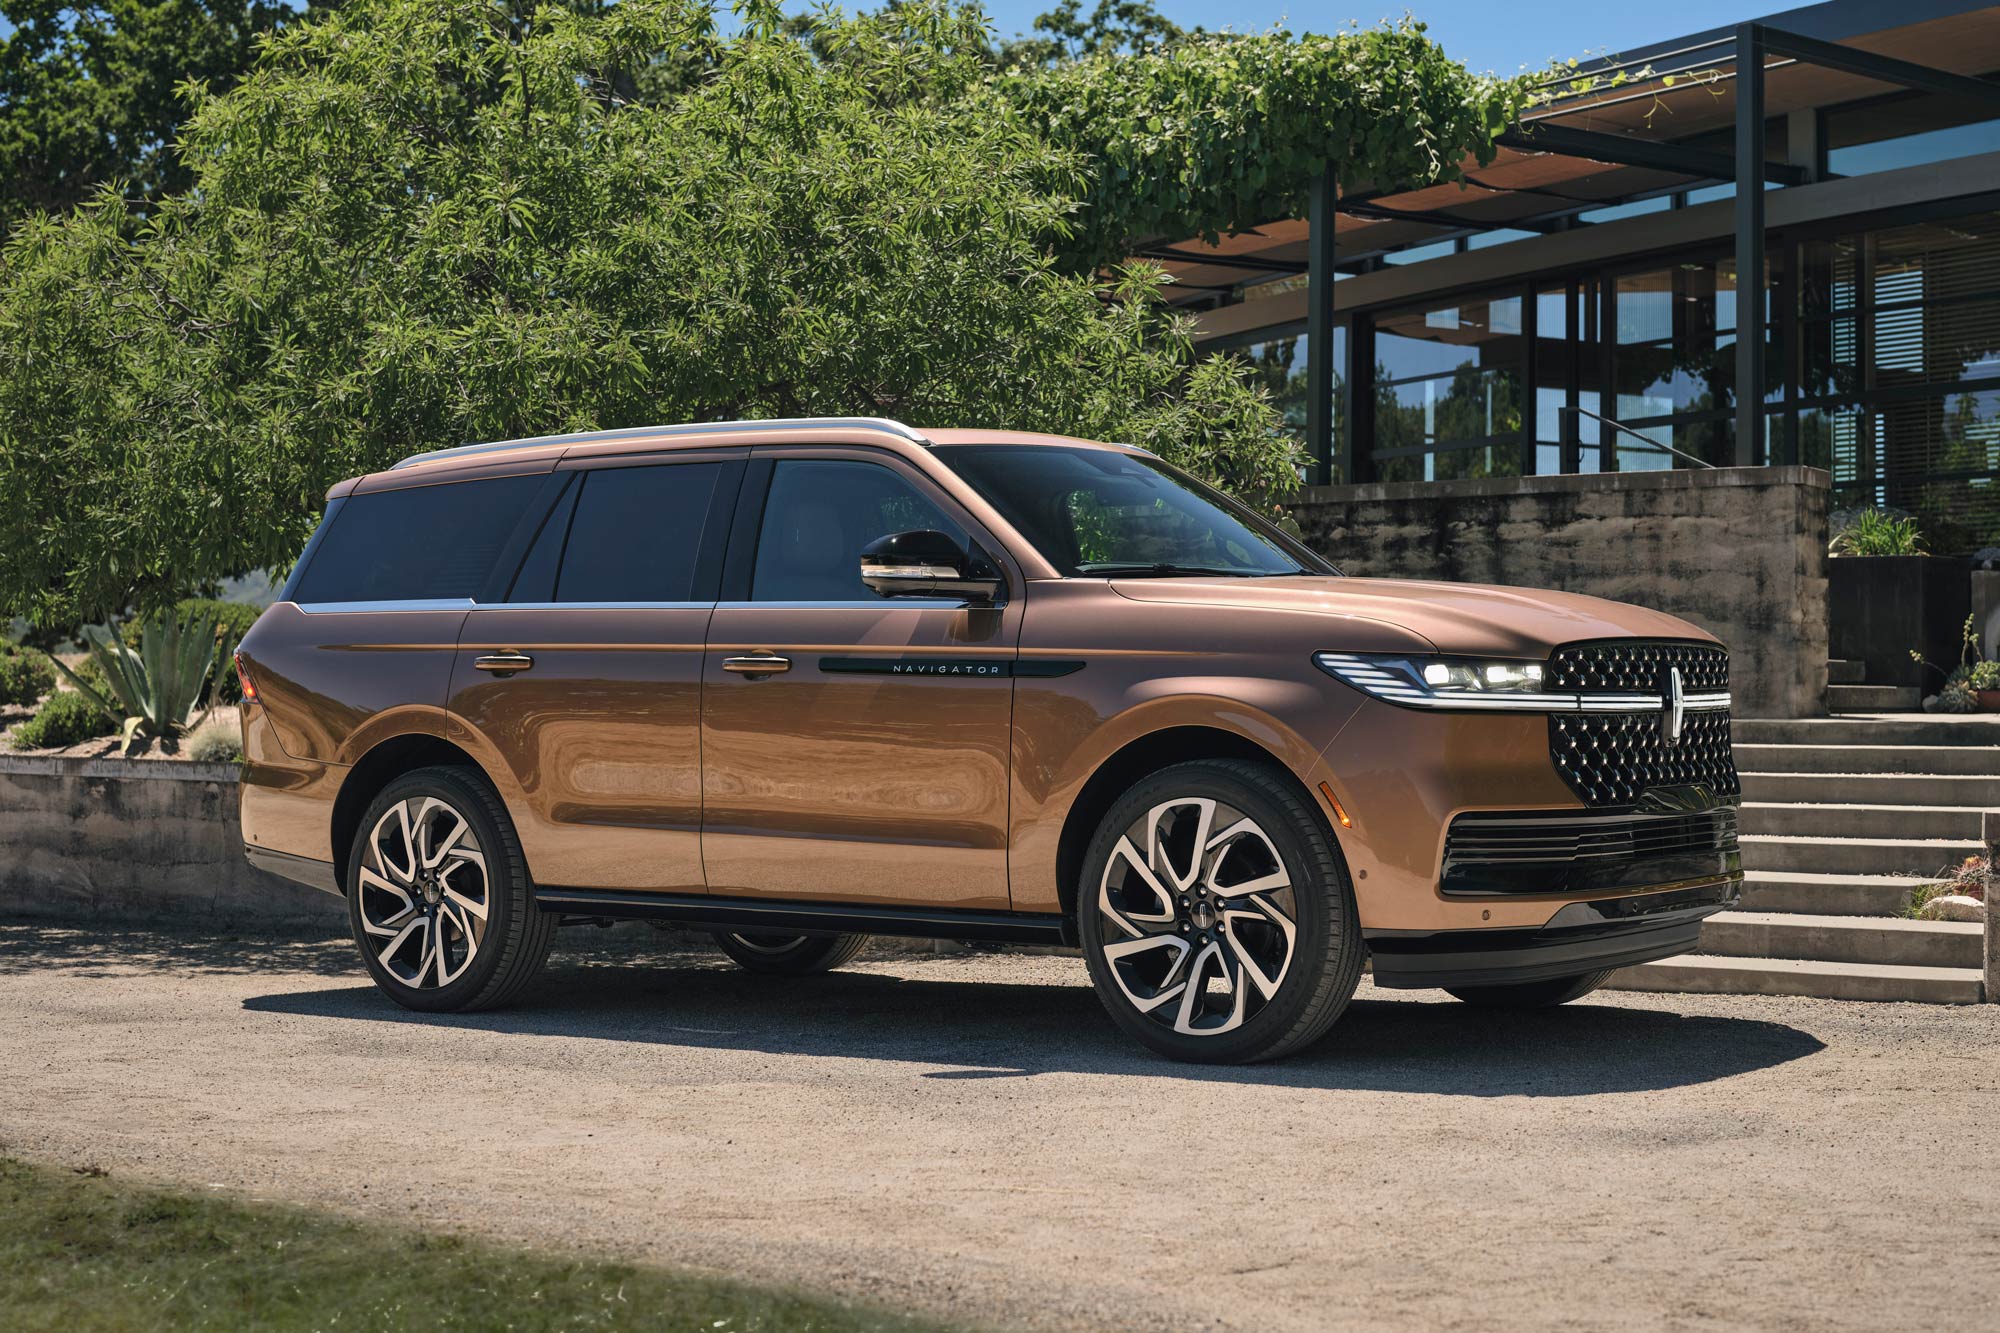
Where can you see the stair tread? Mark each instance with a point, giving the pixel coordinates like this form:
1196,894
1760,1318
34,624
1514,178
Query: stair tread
1861,842
1836,777
1762,746
1813,967
1904,810
1808,921
1835,877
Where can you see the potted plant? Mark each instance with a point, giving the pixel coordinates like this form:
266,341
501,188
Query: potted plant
1884,592
1973,686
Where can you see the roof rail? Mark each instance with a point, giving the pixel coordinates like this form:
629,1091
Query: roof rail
883,424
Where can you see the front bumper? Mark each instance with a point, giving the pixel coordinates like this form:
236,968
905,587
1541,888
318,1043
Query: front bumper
1582,937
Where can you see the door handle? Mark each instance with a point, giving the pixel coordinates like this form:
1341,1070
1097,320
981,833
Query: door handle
757,664
503,664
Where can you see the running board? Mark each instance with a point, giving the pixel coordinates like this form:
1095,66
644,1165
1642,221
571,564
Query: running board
808,918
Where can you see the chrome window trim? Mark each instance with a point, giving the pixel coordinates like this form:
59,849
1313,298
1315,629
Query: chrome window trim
594,606
878,604
409,604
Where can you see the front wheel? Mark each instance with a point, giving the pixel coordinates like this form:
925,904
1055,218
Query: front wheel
439,898
789,955
1216,916
1532,994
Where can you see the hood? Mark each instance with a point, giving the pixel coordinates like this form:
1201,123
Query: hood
1457,618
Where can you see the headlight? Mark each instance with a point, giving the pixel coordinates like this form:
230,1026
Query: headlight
1457,683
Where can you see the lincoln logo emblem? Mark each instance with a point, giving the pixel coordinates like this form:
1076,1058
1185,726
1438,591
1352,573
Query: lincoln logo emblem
1676,702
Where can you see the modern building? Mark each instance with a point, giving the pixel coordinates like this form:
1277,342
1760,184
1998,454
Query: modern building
1574,306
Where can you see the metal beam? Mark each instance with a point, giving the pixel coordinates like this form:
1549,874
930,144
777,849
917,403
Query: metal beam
1540,137
1319,329
1884,69
1252,262
1434,218
1749,243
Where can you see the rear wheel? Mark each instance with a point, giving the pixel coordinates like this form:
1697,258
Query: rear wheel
1532,994
1216,916
789,955
438,895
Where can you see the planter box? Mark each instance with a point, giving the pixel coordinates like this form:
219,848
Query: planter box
139,842
1880,607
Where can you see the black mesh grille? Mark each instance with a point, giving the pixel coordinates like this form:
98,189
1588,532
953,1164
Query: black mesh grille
1638,666
1522,852
1612,759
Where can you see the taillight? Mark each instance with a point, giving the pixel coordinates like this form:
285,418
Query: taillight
243,678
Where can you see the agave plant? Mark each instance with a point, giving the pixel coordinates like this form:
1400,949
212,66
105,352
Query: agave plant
158,687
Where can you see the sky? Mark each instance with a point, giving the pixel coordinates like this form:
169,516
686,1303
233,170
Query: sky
1496,36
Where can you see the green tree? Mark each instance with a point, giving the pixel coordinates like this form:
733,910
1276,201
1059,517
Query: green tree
1115,27
416,224
88,92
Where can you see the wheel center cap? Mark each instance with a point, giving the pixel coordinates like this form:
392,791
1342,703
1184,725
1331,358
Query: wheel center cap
432,892
1202,915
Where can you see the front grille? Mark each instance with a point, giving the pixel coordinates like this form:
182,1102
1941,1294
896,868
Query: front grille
1568,852
1637,665
1613,759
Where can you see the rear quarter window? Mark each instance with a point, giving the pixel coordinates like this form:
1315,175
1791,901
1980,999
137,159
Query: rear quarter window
421,543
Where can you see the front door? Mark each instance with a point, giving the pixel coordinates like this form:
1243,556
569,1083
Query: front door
854,747
587,677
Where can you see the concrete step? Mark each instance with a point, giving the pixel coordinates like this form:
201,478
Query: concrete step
1847,757
1901,729
1786,819
1844,939
1840,672
1855,856
1703,975
1833,895
1873,699
1874,789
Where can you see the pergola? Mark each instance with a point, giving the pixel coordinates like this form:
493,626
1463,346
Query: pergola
1686,114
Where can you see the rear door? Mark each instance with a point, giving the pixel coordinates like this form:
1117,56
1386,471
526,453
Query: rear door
585,672
854,747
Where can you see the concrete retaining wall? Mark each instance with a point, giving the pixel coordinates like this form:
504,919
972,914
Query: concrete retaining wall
1740,552
150,841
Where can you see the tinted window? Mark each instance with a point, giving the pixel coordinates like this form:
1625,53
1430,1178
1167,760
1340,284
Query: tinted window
1097,512
818,516
636,534
416,544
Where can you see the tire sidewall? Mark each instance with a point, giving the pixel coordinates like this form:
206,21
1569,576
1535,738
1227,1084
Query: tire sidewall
457,791
1313,921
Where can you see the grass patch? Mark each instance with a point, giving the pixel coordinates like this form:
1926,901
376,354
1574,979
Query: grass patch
80,1250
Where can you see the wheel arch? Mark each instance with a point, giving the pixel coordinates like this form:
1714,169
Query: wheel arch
1147,754
382,764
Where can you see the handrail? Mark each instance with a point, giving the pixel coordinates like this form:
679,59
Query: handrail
1648,440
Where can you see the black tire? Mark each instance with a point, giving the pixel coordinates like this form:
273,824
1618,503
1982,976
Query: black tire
511,944
1308,987
1532,994
789,955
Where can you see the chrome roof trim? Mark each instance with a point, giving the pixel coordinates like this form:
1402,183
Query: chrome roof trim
883,424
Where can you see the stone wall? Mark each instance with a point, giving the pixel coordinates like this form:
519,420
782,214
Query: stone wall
139,841
1740,552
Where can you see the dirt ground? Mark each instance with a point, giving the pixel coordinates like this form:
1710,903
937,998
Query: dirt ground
969,1136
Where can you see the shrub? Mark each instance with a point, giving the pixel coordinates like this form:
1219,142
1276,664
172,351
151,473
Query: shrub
1875,533
218,743
25,675
64,718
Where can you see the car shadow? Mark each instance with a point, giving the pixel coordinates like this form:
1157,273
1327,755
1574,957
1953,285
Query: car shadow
978,1028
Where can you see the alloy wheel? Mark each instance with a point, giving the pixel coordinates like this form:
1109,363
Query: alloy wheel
423,892
1200,916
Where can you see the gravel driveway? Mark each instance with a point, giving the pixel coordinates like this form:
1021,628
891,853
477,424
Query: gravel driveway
969,1136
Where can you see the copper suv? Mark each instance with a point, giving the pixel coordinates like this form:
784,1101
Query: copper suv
797,683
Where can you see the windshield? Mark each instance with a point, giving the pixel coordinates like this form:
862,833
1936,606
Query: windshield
1096,512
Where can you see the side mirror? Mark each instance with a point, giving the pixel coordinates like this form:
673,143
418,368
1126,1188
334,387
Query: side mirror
925,563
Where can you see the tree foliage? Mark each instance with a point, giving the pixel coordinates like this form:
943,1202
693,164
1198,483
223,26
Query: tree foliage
88,92
421,222
1219,132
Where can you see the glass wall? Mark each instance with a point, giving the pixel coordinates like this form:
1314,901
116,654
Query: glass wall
1279,365
1448,387
1899,372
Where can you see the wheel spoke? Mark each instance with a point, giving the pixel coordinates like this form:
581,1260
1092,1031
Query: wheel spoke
1226,842
1263,976
1157,856
1133,923
1169,986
